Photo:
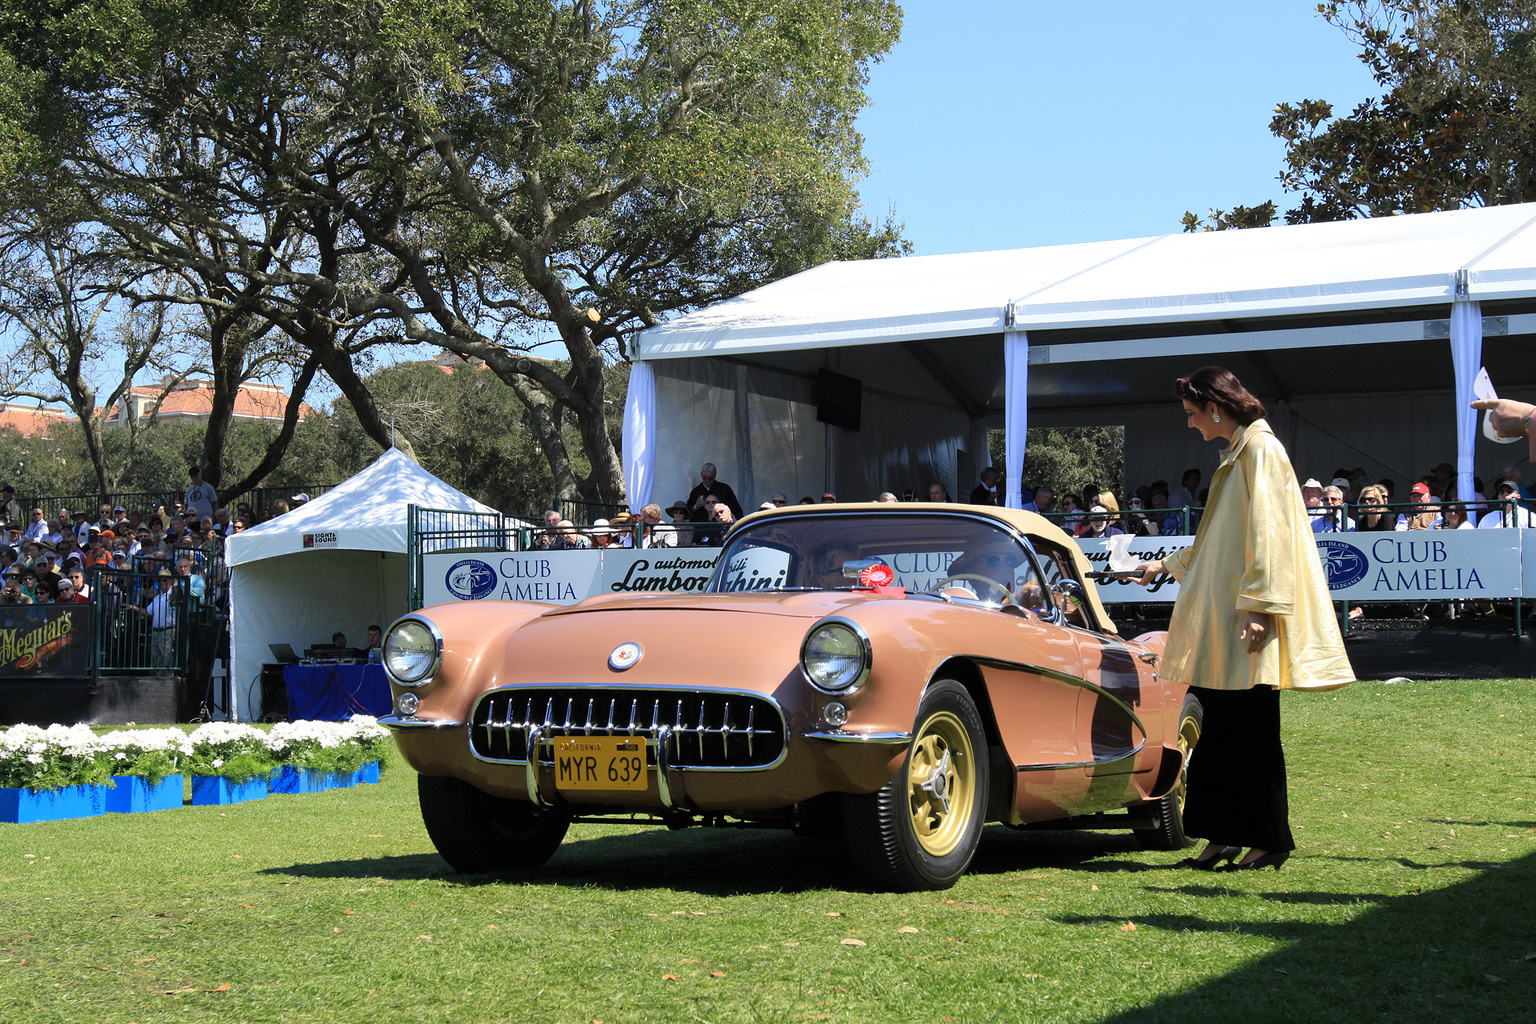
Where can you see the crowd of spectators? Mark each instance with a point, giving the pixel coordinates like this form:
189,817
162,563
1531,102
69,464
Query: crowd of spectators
1349,502
149,565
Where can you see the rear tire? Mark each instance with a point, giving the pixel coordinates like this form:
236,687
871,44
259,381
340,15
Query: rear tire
1169,833
476,832
921,829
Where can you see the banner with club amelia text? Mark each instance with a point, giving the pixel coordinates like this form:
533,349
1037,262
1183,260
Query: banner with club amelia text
1416,565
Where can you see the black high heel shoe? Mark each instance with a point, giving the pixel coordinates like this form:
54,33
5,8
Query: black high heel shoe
1274,860
1211,863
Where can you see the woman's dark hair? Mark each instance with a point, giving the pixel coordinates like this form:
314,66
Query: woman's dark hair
1218,385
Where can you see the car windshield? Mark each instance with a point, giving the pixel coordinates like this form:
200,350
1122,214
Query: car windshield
924,552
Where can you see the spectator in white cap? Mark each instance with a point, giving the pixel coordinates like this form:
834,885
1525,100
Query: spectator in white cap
1342,484
1312,495
299,499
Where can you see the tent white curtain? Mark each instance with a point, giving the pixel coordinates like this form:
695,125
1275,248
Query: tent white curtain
1016,413
640,435
1467,358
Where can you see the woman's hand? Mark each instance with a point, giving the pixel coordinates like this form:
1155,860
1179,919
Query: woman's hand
1256,628
1149,572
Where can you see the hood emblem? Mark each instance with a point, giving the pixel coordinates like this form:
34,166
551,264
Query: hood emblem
626,655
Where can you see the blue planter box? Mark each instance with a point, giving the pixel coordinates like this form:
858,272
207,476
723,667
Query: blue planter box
23,805
134,794
291,780
208,790
370,772
339,780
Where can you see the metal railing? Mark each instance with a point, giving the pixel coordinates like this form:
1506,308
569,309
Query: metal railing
261,499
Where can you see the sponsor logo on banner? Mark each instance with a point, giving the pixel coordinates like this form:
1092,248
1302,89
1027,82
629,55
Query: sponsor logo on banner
1143,549
670,574
44,640
755,569
319,540
470,579
1344,563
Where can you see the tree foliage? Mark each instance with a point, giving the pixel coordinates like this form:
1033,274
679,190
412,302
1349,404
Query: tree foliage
1069,459
1455,125
469,174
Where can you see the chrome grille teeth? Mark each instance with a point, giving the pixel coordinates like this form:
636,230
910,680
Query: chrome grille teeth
512,716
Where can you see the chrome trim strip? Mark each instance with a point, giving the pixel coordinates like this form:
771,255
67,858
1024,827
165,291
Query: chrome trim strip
646,731
664,767
437,653
399,724
863,638
535,736
838,736
1078,681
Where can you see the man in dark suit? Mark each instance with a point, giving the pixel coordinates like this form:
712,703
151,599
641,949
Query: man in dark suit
708,486
986,492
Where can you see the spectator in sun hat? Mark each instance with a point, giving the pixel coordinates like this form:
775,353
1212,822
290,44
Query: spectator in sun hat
302,498
601,534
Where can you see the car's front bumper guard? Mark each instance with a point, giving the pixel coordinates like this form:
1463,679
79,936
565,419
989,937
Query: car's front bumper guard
666,781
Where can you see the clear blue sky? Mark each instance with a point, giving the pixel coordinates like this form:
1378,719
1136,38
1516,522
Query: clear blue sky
999,125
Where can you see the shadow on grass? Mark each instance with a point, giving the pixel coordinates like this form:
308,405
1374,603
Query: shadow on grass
1463,953
728,862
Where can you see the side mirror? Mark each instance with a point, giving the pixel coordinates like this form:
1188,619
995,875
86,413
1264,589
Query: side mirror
1069,588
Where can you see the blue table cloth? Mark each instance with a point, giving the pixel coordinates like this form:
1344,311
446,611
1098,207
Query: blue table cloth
334,693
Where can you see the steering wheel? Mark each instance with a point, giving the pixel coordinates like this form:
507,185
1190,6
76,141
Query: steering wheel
1002,591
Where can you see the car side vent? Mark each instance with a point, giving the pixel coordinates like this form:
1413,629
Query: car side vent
708,729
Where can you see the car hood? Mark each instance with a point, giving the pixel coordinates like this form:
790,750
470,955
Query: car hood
749,641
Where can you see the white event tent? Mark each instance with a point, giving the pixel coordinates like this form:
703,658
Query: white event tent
336,563
1363,338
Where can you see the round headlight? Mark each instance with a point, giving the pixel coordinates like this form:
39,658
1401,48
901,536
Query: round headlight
835,656
411,652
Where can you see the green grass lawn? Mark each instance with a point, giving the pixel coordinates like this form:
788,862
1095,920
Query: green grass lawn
1411,899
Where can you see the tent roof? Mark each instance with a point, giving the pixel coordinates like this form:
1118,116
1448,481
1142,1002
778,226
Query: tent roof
366,512
1289,271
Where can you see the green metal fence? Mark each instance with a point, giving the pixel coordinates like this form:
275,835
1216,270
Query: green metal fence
431,531
127,642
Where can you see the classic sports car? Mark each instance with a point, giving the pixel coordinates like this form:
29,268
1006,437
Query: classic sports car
906,672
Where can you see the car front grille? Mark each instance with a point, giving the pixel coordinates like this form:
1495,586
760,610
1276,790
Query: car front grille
706,729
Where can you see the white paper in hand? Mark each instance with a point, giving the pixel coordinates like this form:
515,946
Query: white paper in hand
1120,558
1482,387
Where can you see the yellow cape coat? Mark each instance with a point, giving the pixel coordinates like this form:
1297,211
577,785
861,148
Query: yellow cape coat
1254,552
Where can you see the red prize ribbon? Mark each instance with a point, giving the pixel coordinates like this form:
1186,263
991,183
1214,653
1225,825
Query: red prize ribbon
877,575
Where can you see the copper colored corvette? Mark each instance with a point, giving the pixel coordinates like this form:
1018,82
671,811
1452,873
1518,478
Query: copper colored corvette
905,673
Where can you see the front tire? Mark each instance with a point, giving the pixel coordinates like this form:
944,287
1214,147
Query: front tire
1169,832
921,829
476,832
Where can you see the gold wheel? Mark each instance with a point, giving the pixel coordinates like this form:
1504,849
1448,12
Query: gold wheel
1189,735
941,784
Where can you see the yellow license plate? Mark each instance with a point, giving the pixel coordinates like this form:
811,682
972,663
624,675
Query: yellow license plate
600,762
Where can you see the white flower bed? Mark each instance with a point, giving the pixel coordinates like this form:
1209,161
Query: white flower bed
70,755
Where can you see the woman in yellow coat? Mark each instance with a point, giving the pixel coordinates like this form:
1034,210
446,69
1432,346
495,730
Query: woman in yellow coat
1253,618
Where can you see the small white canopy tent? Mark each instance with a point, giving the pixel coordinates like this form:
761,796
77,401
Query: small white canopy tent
335,563
1346,329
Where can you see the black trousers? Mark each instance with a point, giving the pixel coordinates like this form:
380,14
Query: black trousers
1236,791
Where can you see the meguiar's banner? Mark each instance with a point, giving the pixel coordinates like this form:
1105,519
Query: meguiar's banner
44,640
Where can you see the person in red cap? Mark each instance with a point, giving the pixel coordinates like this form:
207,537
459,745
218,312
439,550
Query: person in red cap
1423,518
